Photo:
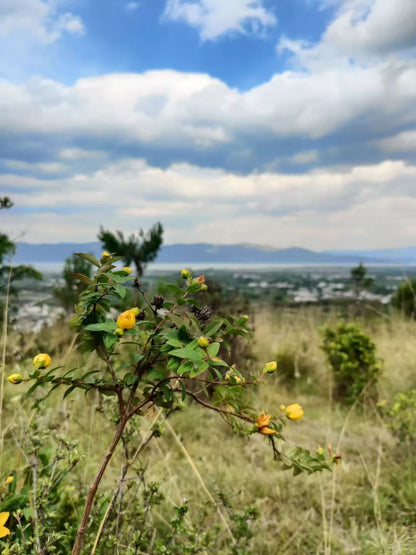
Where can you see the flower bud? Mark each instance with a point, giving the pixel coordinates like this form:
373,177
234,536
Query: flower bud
127,270
203,342
105,257
186,274
9,480
119,332
270,367
245,316
42,360
204,287
15,378
136,310
319,451
158,301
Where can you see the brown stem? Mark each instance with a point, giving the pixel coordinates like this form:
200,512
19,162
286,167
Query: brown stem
79,540
218,409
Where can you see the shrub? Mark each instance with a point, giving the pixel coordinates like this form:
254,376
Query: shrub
149,360
403,416
405,298
352,357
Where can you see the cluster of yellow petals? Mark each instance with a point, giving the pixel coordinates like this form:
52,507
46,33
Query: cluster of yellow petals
263,422
127,319
3,519
294,411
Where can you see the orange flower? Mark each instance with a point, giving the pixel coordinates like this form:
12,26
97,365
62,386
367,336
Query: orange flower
201,279
267,431
263,419
263,422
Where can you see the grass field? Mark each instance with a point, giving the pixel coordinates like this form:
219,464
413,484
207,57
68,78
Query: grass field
366,505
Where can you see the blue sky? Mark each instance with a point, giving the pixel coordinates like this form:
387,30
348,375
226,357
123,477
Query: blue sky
280,122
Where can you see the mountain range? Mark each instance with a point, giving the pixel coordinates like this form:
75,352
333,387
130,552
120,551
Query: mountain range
192,253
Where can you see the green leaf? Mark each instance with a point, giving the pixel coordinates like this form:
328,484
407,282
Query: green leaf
32,389
102,326
173,364
120,291
69,390
188,353
88,257
177,291
213,327
198,369
213,349
185,367
109,340
83,279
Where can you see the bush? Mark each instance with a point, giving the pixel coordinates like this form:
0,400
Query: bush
405,298
403,416
352,357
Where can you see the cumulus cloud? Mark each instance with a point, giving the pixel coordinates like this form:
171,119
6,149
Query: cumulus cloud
40,19
215,18
362,31
168,109
288,208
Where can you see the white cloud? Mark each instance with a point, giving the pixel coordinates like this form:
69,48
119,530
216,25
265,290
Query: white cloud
132,6
214,18
168,108
363,206
402,142
40,19
364,31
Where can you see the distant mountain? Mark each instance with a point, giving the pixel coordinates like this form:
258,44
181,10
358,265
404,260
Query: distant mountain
401,255
184,253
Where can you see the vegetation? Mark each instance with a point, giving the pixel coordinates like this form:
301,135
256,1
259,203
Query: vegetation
11,274
405,298
184,477
76,269
138,249
351,354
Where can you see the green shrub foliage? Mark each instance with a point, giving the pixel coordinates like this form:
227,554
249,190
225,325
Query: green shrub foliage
351,354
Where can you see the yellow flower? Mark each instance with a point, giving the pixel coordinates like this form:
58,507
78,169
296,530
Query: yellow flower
9,480
3,530
42,360
127,270
271,367
15,378
282,407
186,274
235,377
126,320
294,411
105,254
203,342
263,421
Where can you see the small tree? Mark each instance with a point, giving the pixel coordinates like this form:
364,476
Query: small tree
405,298
10,274
74,273
139,248
360,280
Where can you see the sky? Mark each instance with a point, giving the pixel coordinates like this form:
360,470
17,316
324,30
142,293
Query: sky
275,122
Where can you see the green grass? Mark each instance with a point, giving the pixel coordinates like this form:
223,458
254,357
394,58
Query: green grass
366,506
